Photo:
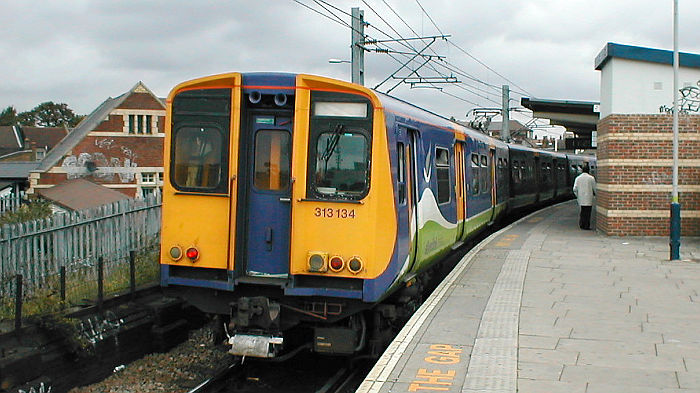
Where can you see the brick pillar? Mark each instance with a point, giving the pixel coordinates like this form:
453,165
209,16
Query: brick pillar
635,166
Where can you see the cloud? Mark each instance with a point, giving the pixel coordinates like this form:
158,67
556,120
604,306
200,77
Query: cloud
83,53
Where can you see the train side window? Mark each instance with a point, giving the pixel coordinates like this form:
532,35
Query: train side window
401,174
272,160
485,174
442,167
475,174
197,157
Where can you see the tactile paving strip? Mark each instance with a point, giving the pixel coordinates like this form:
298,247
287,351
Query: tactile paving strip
494,361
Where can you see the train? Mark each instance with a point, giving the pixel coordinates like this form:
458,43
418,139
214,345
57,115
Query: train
309,212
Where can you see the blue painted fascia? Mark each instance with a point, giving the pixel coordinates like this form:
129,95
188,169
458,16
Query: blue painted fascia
611,50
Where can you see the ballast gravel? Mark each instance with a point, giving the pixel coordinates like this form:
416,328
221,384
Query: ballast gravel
179,370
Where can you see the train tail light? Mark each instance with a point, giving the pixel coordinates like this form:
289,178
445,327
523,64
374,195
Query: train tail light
193,254
317,261
336,263
355,265
175,253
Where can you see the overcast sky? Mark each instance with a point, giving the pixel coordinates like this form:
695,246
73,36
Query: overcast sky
81,52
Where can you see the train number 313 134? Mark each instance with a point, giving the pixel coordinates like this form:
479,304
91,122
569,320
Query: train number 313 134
334,213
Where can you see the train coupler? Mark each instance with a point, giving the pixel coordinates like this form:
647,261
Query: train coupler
255,345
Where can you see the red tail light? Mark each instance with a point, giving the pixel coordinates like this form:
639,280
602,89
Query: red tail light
336,264
192,253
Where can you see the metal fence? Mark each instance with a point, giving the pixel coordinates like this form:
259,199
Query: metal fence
11,202
67,252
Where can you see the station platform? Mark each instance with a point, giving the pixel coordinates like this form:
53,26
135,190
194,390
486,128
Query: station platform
543,306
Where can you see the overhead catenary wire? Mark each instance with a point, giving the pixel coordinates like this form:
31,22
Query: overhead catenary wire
451,67
323,5
428,15
471,88
469,54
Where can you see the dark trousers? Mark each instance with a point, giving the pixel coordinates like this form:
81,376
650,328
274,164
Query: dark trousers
584,221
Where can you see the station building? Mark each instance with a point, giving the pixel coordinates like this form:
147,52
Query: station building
635,141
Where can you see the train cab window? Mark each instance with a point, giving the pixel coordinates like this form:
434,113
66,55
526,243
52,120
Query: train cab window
475,174
197,158
442,168
340,142
401,172
272,160
341,164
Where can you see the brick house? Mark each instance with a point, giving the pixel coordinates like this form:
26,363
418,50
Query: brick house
24,144
635,142
118,145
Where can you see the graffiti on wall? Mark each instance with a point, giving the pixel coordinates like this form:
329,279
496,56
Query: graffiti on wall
104,166
689,102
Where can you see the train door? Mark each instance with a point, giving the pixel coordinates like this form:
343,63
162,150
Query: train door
492,179
412,194
460,188
267,201
538,178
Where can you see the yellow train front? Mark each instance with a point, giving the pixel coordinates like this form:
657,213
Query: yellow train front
278,208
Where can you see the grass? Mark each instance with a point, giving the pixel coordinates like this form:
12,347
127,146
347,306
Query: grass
81,286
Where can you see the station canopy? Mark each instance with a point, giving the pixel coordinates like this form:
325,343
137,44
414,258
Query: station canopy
579,117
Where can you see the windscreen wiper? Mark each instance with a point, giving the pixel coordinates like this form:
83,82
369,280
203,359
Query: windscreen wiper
332,143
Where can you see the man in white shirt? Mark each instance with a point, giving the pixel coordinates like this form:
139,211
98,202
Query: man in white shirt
584,189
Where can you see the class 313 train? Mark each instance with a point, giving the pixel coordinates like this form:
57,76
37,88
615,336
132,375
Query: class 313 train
309,212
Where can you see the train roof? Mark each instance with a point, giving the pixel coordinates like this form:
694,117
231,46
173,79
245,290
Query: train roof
416,113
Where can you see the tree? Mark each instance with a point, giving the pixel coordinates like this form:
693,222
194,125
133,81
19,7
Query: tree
26,119
8,116
50,114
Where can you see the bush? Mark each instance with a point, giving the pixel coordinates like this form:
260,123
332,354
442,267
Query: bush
34,210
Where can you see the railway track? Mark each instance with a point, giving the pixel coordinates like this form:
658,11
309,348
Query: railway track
218,382
306,373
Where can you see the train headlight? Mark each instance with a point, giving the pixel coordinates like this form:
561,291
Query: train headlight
175,253
336,263
355,265
193,254
318,261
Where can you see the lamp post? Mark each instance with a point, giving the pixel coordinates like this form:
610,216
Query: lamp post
339,61
675,230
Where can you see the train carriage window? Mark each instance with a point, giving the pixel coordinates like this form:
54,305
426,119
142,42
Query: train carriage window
485,175
272,160
401,175
442,168
475,174
197,157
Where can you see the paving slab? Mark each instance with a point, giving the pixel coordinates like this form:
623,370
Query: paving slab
542,306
